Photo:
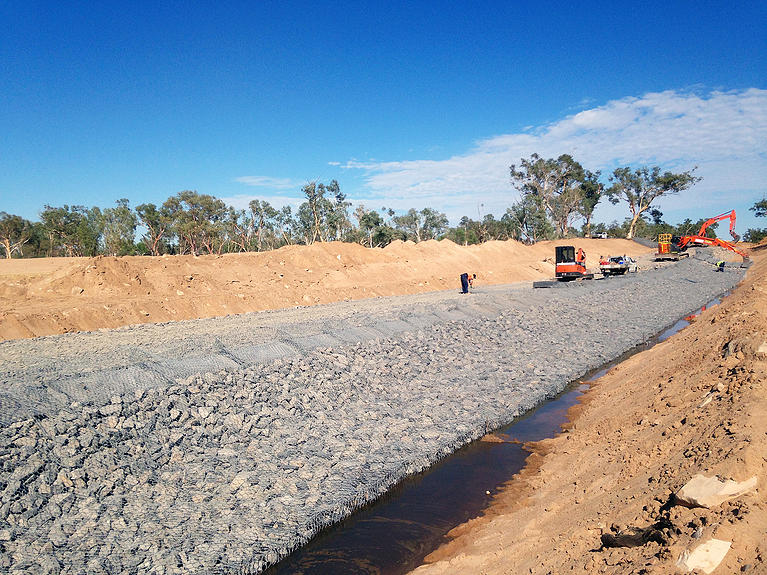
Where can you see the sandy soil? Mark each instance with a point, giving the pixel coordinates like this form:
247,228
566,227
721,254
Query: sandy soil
59,295
640,434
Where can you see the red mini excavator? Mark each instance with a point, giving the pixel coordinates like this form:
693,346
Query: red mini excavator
668,246
571,265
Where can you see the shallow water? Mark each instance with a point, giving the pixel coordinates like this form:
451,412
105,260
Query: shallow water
394,534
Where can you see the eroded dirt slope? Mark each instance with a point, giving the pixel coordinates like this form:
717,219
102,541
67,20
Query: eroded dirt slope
59,295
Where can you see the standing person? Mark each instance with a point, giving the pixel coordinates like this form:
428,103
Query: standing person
580,257
464,283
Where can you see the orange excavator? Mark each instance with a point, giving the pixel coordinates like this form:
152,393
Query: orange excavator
670,247
571,265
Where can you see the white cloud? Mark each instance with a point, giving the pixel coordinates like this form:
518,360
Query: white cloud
723,133
268,182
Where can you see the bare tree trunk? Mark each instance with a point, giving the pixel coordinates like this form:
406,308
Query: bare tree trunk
155,243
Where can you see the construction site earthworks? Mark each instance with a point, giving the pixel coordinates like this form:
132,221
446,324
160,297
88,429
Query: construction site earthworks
215,414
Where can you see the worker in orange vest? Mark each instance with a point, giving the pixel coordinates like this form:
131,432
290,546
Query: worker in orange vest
580,257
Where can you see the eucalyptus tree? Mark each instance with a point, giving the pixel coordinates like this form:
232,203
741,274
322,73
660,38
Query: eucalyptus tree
15,231
338,222
425,224
285,225
264,219
238,228
592,191
756,235
75,230
313,213
198,221
760,208
557,185
640,187
527,220
157,223
369,222
119,229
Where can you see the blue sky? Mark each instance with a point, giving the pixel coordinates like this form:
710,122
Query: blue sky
405,104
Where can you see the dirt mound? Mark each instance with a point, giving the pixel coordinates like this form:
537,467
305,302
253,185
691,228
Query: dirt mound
101,275
49,296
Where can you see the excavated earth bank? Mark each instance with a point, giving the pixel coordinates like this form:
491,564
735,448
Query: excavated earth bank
220,445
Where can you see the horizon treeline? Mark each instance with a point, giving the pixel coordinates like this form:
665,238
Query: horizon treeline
555,194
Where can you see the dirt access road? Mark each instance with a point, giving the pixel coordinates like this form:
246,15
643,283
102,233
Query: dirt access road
696,403
61,295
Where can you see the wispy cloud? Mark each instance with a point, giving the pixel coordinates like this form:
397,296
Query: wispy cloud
268,182
723,133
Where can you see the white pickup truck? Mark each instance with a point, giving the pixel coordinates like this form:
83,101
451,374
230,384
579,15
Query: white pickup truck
617,266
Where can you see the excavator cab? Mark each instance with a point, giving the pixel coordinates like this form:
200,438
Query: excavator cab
668,248
567,267
565,254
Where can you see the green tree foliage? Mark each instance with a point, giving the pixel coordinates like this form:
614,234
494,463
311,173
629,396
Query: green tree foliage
640,187
554,194
755,235
760,208
370,222
119,225
338,222
285,225
198,222
426,224
690,228
470,231
72,231
321,218
527,218
157,222
591,194
651,224
238,229
556,185
37,246
264,220
15,231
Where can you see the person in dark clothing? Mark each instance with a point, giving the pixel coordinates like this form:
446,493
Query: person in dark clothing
467,281
464,283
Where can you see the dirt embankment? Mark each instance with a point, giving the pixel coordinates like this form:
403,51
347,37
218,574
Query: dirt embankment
696,403
60,295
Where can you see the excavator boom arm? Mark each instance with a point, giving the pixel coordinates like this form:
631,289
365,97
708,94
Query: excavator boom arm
688,241
726,216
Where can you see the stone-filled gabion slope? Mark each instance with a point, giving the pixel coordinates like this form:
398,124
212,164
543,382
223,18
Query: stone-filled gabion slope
227,472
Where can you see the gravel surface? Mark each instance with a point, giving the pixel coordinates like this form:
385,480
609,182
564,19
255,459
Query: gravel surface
220,445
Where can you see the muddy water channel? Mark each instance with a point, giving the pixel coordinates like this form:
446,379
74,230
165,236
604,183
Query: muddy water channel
393,535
